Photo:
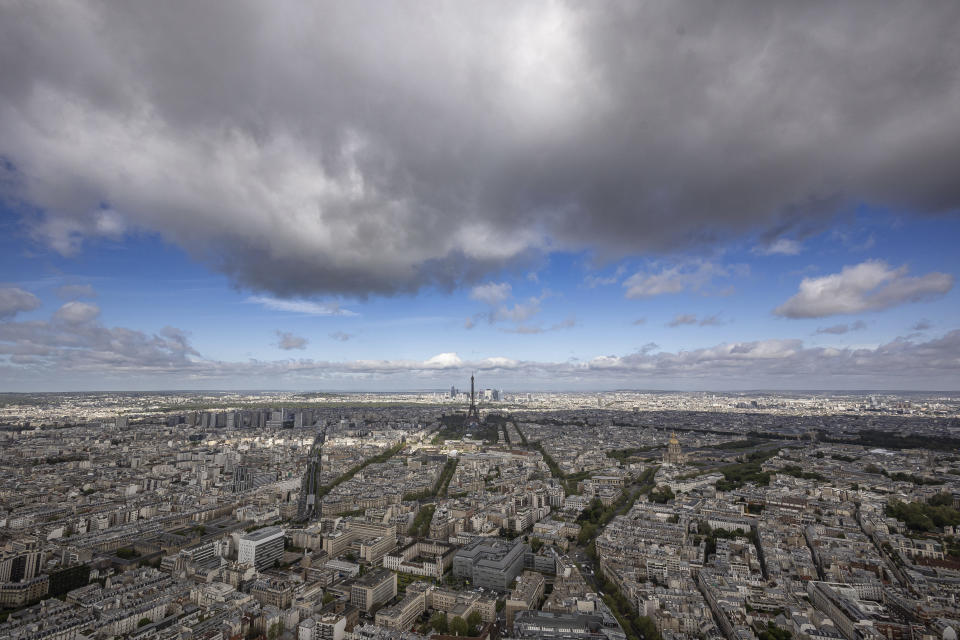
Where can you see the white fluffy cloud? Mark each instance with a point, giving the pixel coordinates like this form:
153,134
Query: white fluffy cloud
698,276
73,345
567,323
682,319
767,363
77,313
288,341
519,312
13,300
492,293
780,246
495,295
869,286
443,361
301,306
840,329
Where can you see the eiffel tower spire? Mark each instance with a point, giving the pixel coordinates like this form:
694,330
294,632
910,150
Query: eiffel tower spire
473,415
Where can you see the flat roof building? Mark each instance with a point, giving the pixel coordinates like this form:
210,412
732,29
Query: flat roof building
375,588
525,595
261,548
402,615
540,624
490,563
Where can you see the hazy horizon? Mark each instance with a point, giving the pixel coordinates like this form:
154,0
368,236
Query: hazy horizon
442,390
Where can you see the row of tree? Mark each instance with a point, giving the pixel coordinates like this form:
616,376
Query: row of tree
923,517
421,523
456,626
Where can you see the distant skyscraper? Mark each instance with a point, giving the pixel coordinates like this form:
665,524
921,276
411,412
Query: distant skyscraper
302,418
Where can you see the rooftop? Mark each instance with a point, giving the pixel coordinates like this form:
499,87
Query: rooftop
263,534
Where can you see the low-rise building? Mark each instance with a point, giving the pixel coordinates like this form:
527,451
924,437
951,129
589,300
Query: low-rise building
402,615
490,563
525,595
270,591
428,558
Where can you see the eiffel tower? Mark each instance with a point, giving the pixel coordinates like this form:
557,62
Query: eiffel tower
473,416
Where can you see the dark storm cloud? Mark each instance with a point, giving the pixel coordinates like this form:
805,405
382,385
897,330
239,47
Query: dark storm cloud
360,148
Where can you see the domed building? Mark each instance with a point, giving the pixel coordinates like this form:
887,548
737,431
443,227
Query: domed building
674,453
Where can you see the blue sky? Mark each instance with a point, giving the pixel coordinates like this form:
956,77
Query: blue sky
583,311
557,196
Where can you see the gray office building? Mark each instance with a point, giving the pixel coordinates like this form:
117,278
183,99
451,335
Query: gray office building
490,563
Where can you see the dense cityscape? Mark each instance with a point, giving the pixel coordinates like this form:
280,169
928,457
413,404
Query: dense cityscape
612,516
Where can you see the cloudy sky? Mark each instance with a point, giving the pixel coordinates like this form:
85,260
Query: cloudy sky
556,195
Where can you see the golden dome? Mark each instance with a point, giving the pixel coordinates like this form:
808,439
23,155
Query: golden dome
673,438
